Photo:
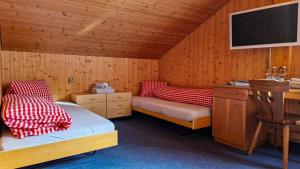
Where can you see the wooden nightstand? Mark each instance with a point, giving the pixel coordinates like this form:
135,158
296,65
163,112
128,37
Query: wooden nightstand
118,104
106,105
93,102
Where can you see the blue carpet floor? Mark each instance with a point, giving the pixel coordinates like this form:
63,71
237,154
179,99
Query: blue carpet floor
148,143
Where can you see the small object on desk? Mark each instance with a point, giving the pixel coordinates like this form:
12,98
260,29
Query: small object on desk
295,83
242,83
277,73
282,73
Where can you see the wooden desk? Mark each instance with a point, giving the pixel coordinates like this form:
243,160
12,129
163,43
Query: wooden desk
234,110
293,94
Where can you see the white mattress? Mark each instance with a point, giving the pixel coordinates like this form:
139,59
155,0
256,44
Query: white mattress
84,123
187,112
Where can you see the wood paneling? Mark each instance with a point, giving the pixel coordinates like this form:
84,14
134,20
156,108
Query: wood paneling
122,73
294,69
114,28
0,71
287,56
204,58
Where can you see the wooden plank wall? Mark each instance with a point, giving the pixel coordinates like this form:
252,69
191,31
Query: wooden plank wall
294,69
287,56
204,58
0,70
122,73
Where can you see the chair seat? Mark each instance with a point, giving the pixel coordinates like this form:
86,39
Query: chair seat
288,119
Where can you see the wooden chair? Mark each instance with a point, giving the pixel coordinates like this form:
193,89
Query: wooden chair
269,98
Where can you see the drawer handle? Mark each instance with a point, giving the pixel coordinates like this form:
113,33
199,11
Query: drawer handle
119,105
92,107
120,97
93,99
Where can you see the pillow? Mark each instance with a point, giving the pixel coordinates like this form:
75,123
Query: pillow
148,86
38,88
202,97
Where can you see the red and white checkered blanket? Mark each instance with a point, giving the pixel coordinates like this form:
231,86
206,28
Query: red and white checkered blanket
30,116
202,97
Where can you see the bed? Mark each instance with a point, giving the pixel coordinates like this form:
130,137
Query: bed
88,132
187,115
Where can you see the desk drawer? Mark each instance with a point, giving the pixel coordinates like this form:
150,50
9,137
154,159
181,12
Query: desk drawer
118,113
116,97
118,105
240,94
90,98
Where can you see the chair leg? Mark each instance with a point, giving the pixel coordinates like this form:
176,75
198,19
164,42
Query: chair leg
255,137
286,137
275,136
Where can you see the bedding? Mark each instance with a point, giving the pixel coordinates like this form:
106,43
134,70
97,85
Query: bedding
38,88
84,123
148,87
28,116
202,97
183,111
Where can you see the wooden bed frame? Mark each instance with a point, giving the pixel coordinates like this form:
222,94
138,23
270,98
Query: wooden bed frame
195,124
47,152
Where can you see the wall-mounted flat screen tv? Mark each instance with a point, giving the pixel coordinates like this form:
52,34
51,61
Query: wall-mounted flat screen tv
271,26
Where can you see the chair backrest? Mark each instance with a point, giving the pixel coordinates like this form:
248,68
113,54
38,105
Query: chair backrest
269,98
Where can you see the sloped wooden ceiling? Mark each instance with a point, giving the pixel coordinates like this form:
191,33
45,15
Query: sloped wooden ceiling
110,28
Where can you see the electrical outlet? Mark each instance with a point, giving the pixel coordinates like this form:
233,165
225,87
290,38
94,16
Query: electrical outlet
71,80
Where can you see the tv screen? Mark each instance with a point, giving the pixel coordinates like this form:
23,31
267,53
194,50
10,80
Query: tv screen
266,27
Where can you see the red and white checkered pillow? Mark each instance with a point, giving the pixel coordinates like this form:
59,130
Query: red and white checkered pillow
30,116
38,88
148,86
202,97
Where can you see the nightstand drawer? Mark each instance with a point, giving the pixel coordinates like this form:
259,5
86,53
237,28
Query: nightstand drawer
101,113
89,98
118,105
116,97
95,107
118,113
